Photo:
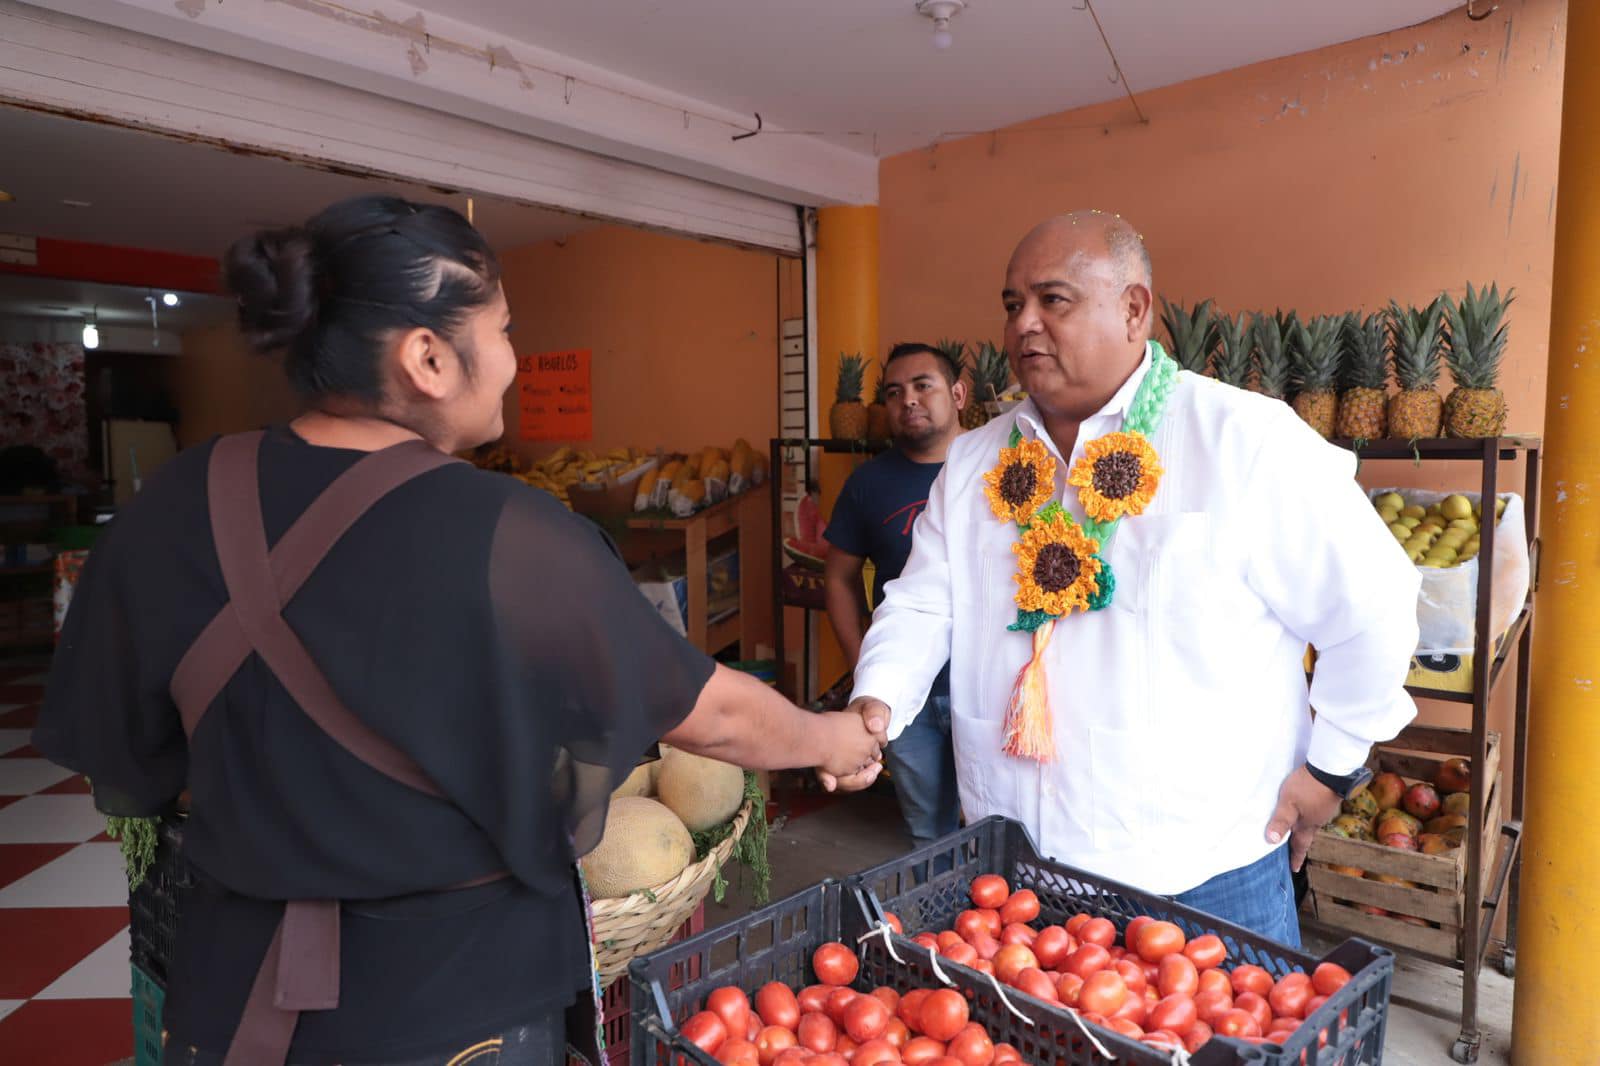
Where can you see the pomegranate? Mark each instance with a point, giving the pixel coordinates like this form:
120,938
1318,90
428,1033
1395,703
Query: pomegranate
1421,801
1454,775
1387,788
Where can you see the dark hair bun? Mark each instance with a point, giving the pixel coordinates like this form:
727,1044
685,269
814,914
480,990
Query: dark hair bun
275,278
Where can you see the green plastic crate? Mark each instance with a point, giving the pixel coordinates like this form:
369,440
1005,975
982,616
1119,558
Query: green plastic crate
148,1038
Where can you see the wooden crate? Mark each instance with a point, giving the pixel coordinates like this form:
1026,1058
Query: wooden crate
1436,905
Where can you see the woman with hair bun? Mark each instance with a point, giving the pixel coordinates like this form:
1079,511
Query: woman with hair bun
399,690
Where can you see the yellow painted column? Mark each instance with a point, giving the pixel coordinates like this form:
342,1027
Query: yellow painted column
847,322
1556,1019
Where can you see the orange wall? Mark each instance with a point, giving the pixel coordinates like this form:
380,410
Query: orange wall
220,386
684,333
1395,166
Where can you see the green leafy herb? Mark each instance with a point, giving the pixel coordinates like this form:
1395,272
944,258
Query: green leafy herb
137,839
751,848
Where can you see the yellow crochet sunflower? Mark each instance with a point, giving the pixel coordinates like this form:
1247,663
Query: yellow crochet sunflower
1022,482
1117,476
1057,570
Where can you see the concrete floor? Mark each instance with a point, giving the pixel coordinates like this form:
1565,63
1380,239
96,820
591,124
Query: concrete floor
849,835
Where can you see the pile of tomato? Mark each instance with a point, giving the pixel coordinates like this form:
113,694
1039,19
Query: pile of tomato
1156,986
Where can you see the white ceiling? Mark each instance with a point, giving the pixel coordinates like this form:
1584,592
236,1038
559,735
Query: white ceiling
835,66
147,191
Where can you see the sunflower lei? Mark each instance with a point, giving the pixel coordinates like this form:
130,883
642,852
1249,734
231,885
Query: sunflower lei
1061,567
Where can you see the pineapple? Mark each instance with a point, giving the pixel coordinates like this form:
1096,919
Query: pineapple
877,410
991,375
847,419
1236,349
1476,407
1272,353
1194,335
1366,379
1315,364
1419,339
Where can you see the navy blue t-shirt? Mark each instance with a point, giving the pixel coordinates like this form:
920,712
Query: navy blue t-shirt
873,518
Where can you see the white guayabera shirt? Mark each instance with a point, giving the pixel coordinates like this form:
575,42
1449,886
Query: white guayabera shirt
1180,708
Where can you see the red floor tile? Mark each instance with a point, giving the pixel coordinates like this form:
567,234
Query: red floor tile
68,1032
21,693
21,718
44,943
76,785
6,801
27,751
19,860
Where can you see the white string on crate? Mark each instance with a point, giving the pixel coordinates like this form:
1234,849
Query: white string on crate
933,956
886,931
1180,1056
1084,1029
1007,1000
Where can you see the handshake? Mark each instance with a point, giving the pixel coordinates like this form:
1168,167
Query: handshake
858,734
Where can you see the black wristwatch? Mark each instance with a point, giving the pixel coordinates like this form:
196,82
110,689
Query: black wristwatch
1344,785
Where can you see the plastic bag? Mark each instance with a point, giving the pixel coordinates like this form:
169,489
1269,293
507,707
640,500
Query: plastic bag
1447,603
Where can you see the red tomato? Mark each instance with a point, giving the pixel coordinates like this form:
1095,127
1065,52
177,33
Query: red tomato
1255,1006
991,921
990,890
1216,981
920,1050
985,945
1196,1035
832,1058
753,1027
969,924
817,1032
911,1007
1314,1002
1036,984
844,1046
983,966
866,1018
945,1060
733,1007
1012,960
898,1035
894,921
776,1004
1076,923
1022,906
1136,1009
1285,1024
1177,973
949,939
1132,975
1017,933
1162,1038
1290,996
888,997
772,1040
1158,940
944,1014
1152,995
1129,1029
1240,1023
1118,953
1094,1019
876,1053
835,964
738,1052
1152,970
1328,978
1250,978
1176,1012
839,1002
1051,946
1211,1004
1068,989
1097,931
706,1031
792,1056
1006,1053
1087,960
972,1047
962,953
1103,993
1130,936
926,940
1206,952
815,998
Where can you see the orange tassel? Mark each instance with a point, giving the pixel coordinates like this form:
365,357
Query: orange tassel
1030,729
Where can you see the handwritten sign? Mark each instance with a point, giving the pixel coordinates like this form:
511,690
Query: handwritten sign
553,396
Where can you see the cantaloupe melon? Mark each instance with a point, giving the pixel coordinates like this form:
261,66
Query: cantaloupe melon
644,845
638,783
702,792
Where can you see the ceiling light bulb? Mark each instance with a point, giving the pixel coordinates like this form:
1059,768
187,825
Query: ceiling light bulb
941,12
170,299
91,335
941,35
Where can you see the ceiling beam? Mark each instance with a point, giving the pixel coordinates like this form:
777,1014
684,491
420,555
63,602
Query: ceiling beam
111,265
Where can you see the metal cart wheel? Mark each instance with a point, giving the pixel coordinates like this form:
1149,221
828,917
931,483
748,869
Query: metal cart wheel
1464,1050
1508,962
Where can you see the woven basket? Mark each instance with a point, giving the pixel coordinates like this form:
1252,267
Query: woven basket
634,925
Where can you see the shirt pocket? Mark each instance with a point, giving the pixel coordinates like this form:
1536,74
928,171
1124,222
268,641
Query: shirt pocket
1118,761
1168,566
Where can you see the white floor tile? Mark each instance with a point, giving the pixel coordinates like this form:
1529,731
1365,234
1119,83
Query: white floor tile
90,875
33,679
103,975
24,777
9,1005
12,739
51,820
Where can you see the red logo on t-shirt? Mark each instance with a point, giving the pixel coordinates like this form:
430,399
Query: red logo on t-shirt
910,510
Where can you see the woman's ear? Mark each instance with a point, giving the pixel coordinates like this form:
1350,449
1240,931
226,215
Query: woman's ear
425,363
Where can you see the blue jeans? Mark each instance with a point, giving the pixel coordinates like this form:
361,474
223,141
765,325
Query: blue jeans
922,765
1259,897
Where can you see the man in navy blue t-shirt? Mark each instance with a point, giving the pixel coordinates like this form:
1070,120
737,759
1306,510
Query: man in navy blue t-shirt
873,519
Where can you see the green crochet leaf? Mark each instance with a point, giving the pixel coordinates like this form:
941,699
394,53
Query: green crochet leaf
1104,588
1016,435
1028,621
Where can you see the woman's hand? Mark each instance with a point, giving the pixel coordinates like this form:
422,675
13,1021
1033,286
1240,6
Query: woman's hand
853,751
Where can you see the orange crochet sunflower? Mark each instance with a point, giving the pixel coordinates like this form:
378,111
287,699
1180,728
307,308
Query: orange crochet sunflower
1057,569
1022,482
1117,476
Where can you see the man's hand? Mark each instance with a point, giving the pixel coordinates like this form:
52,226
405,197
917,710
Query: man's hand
874,716
1304,806
851,748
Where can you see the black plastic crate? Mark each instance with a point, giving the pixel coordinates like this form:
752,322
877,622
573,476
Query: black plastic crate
776,944
928,887
154,906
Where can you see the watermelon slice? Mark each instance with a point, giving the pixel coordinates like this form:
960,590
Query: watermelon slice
810,554
808,522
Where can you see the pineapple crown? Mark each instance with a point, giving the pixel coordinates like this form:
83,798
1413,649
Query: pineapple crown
882,385
1236,349
852,371
1315,357
1419,342
1272,352
1194,334
955,351
1477,336
991,372
1366,352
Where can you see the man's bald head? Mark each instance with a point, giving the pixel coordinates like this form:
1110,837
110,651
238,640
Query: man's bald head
1096,234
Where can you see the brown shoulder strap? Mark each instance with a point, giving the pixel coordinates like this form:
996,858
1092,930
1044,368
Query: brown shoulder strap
259,585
